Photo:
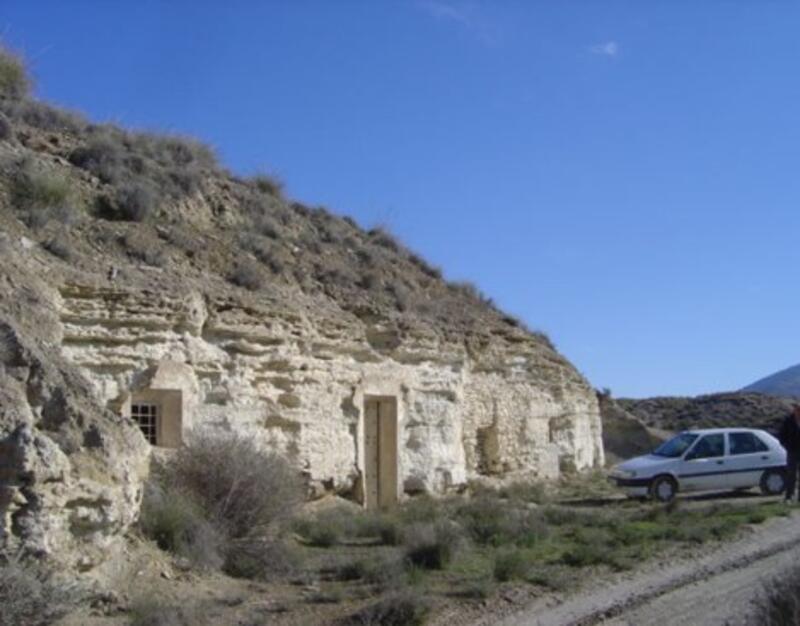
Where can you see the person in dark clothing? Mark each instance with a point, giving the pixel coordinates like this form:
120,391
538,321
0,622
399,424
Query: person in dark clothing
789,436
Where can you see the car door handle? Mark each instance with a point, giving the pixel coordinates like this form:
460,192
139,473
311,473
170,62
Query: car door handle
765,458
720,462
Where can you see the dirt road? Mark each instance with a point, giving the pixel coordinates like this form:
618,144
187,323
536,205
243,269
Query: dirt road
714,589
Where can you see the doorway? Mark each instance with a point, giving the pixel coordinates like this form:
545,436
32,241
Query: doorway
380,452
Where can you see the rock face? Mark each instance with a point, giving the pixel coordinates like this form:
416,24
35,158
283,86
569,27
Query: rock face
300,382
71,472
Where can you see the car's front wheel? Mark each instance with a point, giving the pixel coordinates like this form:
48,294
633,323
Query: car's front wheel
663,488
773,482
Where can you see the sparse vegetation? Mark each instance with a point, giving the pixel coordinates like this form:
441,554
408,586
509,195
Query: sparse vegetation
60,246
28,597
399,609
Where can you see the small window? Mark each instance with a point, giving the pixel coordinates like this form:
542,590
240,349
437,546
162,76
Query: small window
146,415
746,443
708,447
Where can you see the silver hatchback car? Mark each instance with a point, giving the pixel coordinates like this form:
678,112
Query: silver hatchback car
705,460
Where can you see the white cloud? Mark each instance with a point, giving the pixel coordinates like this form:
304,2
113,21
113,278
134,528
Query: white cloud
606,49
445,11
464,14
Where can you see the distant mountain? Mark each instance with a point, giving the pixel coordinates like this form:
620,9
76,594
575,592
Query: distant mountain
783,383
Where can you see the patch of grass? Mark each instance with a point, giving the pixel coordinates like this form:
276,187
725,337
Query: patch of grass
490,521
143,246
151,609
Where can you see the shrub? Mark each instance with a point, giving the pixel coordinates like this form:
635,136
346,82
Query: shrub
268,184
35,188
383,238
404,608
14,81
27,597
102,157
60,246
134,202
261,558
491,522
144,247
9,348
243,488
510,564
45,117
178,525
151,610
247,274
433,546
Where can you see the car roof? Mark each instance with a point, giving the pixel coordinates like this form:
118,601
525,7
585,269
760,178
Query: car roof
712,431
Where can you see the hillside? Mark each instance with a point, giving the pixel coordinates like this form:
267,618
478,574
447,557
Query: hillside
140,278
783,383
751,410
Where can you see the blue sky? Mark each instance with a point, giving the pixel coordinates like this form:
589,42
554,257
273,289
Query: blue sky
621,175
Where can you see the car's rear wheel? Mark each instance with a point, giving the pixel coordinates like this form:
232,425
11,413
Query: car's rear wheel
773,482
663,488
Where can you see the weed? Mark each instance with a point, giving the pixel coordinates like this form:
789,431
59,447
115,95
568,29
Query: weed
60,246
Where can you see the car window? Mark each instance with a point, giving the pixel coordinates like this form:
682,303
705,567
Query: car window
745,443
708,447
676,446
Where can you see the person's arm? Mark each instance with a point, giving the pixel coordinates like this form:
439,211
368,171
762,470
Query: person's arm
783,433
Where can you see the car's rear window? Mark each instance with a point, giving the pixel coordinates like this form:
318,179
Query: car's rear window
745,443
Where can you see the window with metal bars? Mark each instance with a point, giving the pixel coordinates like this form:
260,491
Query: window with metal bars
146,415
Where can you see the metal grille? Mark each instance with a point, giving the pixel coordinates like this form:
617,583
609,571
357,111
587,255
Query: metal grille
146,415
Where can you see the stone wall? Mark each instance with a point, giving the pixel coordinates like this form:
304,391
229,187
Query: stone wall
295,380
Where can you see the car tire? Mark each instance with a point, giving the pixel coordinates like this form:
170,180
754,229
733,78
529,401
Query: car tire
773,482
663,488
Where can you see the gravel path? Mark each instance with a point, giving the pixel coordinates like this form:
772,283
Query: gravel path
715,588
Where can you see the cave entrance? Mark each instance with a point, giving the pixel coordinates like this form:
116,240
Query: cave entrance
159,414
380,452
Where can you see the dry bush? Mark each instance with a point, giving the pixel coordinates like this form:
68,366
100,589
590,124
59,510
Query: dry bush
382,237
134,202
403,608
243,488
14,80
247,274
143,246
27,597
151,609
261,558
178,525
35,188
433,546
266,183
60,245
